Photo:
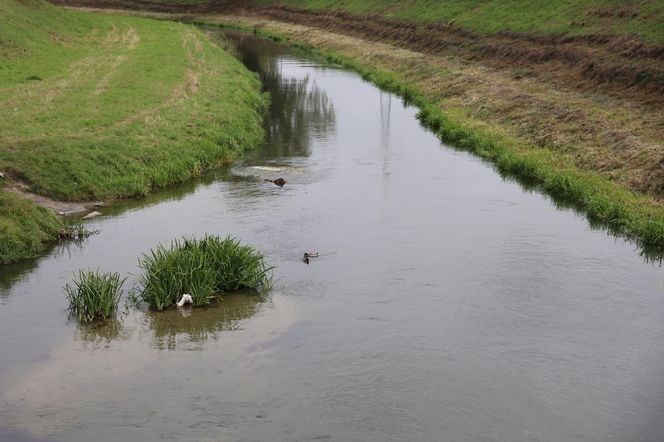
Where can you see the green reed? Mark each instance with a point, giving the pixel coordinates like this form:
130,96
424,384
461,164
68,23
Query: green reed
204,268
94,295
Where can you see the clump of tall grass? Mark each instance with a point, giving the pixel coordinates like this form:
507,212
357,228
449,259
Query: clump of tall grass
75,232
94,295
204,268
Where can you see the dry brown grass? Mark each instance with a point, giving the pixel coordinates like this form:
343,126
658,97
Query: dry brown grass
618,65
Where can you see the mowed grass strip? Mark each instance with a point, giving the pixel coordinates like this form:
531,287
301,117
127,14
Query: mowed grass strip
97,106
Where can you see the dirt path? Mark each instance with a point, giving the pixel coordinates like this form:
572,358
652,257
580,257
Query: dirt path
63,208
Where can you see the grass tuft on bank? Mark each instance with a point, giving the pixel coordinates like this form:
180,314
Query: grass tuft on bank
203,268
100,106
24,227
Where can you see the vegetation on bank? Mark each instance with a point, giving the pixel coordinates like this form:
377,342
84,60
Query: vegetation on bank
203,268
643,18
94,295
24,227
99,106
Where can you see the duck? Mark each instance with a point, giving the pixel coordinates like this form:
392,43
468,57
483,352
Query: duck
308,255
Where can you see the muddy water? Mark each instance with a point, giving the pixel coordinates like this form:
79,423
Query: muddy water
447,303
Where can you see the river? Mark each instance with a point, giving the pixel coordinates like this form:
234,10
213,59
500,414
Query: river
447,303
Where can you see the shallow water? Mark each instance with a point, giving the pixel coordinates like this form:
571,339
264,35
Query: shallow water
447,303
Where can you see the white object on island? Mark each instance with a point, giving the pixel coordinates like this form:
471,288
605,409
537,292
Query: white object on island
186,299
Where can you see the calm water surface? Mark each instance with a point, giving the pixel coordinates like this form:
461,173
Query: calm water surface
447,303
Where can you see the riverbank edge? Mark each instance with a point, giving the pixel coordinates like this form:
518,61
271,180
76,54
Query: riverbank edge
26,228
41,225
31,223
622,212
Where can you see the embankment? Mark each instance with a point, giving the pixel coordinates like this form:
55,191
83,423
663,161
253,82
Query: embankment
98,106
567,97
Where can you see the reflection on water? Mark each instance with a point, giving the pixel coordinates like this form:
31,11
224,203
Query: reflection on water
172,193
19,272
191,328
300,110
651,254
175,328
100,334
13,274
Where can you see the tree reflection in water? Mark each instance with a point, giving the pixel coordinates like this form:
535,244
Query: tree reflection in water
300,110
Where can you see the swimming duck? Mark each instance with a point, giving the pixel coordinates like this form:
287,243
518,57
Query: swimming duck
308,255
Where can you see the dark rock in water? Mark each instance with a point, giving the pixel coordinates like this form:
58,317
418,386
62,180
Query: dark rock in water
279,182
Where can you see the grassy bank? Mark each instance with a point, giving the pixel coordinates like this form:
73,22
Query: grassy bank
24,227
644,18
100,106
419,79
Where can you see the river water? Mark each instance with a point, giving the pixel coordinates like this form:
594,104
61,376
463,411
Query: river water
447,303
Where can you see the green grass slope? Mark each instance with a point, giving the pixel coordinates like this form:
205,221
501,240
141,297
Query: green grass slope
642,18
100,106
24,227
